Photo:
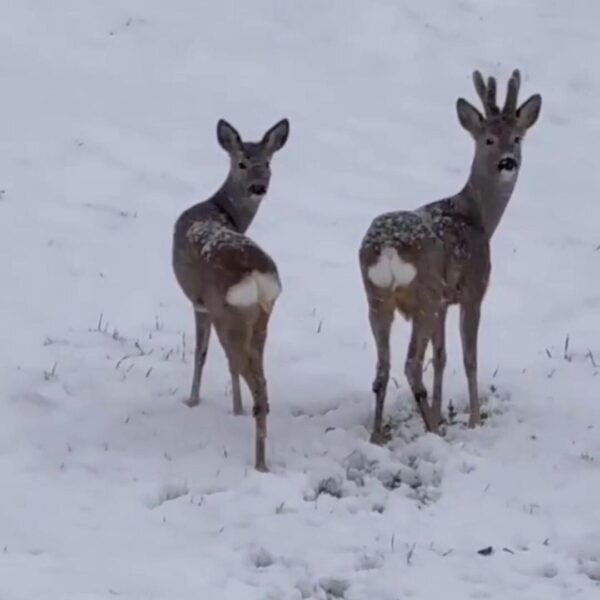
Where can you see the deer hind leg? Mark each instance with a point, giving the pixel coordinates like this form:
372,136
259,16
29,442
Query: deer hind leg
413,369
234,329
202,337
236,392
242,332
257,345
381,317
469,327
255,379
438,341
244,325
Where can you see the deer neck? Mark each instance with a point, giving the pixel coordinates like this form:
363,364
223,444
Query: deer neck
237,204
487,195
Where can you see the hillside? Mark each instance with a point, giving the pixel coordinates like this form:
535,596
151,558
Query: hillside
111,487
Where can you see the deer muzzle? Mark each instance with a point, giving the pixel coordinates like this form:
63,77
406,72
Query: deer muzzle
257,189
508,163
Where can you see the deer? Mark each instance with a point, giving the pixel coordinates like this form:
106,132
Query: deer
230,281
421,262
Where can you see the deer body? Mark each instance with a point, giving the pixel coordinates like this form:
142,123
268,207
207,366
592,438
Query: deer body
230,281
420,262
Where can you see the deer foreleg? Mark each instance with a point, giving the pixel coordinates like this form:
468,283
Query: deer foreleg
469,327
438,341
202,337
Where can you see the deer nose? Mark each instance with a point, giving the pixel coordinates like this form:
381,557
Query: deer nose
258,189
507,163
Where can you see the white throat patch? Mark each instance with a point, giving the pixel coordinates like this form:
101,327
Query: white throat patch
506,175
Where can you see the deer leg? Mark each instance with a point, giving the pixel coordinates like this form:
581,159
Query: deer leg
237,332
202,337
252,371
469,327
413,369
255,379
438,341
381,316
236,391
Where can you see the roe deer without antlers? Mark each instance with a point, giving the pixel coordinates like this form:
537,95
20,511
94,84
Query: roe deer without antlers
421,262
231,283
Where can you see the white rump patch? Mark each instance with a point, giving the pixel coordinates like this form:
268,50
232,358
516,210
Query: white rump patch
244,293
390,270
269,289
255,288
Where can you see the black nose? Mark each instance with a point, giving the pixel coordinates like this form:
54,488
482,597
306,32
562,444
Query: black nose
508,163
257,189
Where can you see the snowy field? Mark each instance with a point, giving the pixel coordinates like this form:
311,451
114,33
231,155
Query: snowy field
110,486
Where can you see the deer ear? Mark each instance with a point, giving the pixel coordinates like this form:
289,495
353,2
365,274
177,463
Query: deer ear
277,136
470,118
529,111
229,138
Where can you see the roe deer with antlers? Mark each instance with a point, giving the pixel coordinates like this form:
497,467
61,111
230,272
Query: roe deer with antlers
421,262
231,283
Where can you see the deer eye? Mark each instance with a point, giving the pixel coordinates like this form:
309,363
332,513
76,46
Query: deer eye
517,140
242,165
267,164
489,141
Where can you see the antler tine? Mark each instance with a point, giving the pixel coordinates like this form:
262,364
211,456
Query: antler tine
512,91
480,86
491,96
486,93
517,75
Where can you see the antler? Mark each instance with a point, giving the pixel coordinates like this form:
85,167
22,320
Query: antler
512,91
487,93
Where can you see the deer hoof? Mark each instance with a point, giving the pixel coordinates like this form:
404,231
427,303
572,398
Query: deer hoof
433,428
474,421
377,438
437,422
191,402
261,467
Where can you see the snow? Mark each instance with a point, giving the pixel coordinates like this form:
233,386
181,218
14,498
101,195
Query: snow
111,487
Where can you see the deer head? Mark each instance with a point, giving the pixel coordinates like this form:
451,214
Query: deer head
498,134
249,173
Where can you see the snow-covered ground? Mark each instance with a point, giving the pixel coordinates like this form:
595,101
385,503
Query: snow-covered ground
110,486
